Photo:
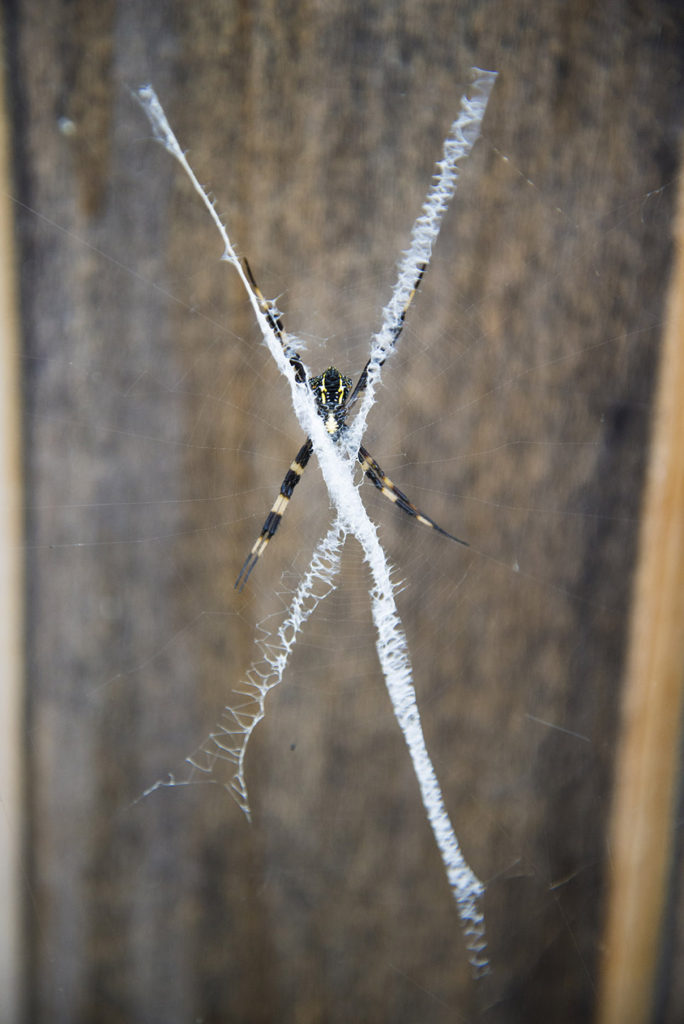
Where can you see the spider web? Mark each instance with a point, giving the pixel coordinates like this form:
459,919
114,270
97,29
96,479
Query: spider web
226,746
476,421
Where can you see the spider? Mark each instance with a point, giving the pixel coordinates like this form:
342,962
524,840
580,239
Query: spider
335,397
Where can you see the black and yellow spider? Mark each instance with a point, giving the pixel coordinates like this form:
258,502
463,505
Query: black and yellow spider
334,398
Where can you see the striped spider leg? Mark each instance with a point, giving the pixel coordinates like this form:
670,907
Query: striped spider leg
272,314
334,399
394,331
375,473
292,478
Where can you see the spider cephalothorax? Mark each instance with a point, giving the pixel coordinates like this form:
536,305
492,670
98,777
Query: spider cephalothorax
331,389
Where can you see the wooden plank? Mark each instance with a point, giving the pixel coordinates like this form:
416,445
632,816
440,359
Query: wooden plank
648,780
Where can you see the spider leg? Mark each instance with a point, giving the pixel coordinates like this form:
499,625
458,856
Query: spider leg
395,330
375,473
272,314
292,478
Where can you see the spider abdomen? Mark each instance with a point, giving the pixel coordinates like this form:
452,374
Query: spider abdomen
331,389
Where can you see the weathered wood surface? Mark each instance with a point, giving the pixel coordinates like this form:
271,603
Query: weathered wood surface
157,433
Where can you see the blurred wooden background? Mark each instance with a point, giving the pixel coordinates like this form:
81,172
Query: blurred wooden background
156,434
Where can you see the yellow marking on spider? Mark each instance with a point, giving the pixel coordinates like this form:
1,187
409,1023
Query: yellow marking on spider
268,308
388,493
257,290
279,505
259,546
